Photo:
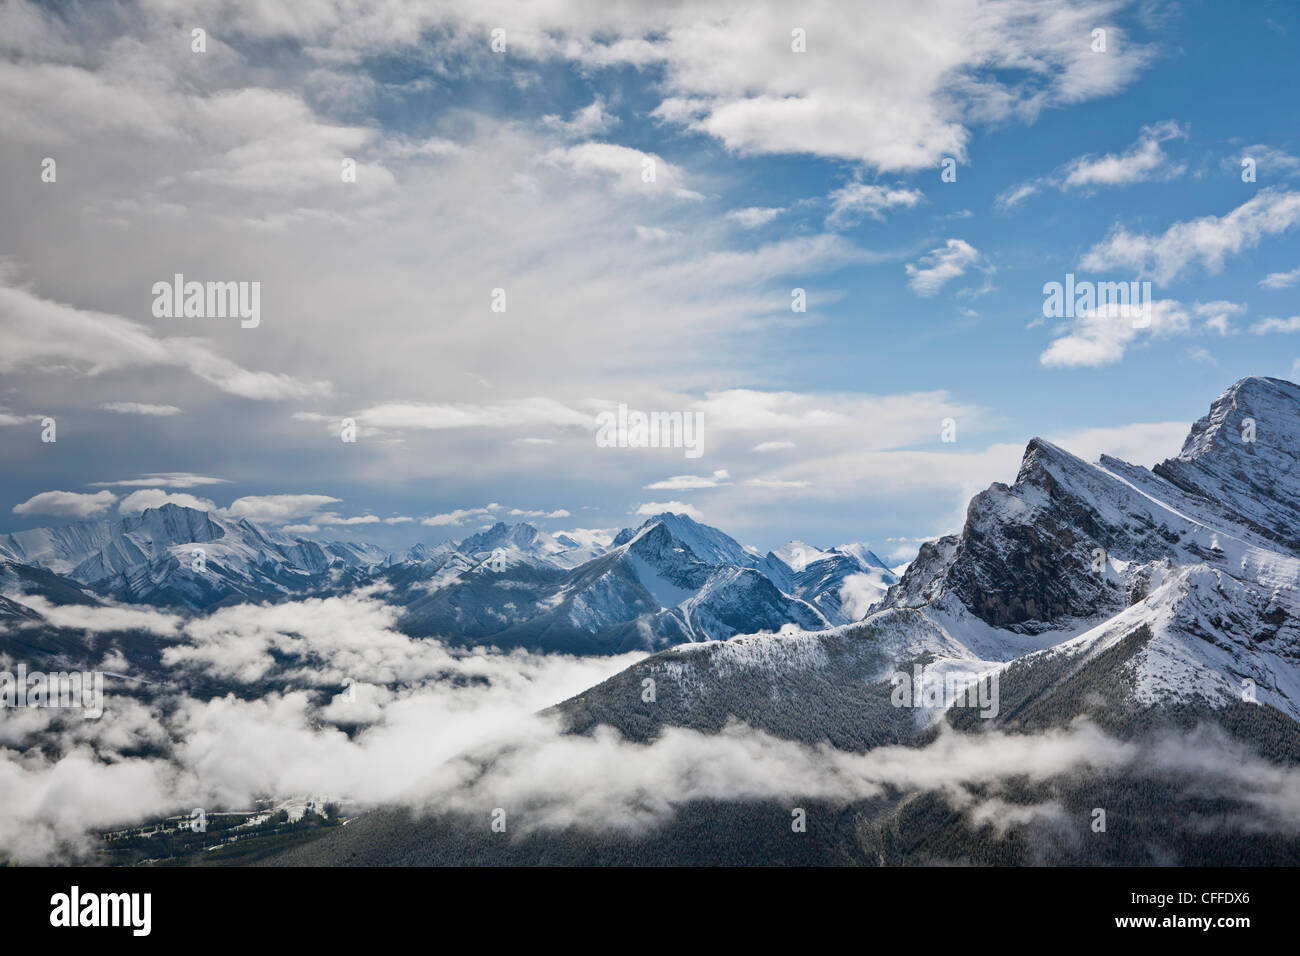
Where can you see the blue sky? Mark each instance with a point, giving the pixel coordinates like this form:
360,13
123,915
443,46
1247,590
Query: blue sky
521,170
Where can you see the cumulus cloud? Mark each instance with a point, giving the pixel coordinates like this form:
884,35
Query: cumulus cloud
630,169
1281,280
1138,163
1206,241
1273,324
459,516
66,504
591,119
1143,161
856,201
278,508
1101,336
932,272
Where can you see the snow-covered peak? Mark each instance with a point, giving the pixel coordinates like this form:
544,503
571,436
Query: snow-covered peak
797,555
707,543
1245,457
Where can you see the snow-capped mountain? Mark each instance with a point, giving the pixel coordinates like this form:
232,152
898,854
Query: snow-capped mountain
671,580
1099,588
522,543
844,582
176,556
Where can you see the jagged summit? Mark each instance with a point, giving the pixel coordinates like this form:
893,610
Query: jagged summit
1245,457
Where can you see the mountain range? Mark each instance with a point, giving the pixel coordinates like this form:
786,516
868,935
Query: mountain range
667,581
1156,604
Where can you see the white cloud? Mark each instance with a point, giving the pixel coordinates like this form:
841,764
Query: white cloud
1281,280
1217,315
935,270
139,408
1206,241
459,516
1264,326
655,234
1013,196
163,479
690,482
1138,163
101,618
650,508
777,483
629,169
591,119
854,201
525,412
66,504
768,446
857,593
1143,161
278,508
1102,336
892,85
41,335
330,518
1268,160
753,217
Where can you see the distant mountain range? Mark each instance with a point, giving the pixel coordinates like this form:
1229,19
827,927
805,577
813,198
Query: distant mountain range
668,581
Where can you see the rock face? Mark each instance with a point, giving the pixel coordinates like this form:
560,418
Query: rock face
1245,457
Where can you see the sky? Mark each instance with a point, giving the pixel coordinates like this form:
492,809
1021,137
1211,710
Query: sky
559,208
